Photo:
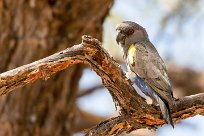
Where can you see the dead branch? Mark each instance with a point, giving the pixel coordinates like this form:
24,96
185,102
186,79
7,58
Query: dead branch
188,106
135,112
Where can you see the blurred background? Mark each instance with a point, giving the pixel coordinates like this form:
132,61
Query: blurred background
74,99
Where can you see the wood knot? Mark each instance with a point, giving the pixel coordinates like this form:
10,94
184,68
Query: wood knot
90,40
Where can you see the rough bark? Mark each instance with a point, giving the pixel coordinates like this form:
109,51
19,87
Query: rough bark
135,112
33,29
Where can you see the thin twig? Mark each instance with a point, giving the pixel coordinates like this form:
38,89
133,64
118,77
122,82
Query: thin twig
89,91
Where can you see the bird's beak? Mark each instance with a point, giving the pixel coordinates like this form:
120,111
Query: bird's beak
119,37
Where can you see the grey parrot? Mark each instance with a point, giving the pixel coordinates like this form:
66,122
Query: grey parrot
145,66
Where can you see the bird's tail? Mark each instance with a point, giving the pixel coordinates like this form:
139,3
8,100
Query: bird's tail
164,106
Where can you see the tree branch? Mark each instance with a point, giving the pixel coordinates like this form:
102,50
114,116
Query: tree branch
89,52
188,106
135,112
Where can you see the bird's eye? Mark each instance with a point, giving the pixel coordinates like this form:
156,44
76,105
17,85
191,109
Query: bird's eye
129,31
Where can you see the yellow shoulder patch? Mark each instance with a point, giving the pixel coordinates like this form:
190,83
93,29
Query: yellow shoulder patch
131,53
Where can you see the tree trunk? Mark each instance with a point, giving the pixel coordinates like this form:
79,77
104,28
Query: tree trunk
30,30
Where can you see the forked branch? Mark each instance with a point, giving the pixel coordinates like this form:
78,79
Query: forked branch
135,112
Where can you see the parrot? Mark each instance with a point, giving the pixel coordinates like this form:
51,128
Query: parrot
145,66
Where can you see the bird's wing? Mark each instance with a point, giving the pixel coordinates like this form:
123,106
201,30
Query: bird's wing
151,68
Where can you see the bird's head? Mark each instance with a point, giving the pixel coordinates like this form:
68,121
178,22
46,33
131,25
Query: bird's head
129,33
